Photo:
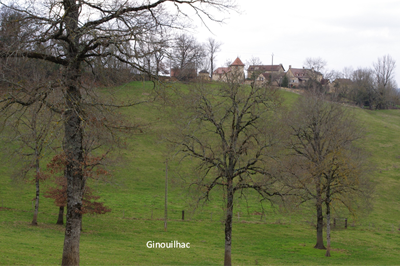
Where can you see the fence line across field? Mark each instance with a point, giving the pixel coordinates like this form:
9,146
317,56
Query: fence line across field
149,212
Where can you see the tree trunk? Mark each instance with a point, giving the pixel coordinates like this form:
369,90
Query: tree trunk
60,219
73,148
328,219
211,68
35,214
328,230
73,139
73,172
72,236
228,224
320,226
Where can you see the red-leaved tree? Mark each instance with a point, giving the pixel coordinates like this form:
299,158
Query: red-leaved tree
92,169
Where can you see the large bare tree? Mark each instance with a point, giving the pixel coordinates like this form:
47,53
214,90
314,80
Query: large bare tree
232,132
324,165
71,34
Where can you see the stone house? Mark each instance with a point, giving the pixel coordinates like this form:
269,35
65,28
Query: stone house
274,78
204,75
260,69
300,76
235,70
219,73
271,74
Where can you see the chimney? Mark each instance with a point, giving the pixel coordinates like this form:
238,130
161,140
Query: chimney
290,66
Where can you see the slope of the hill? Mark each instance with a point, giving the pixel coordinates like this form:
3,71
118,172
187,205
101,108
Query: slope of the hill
136,196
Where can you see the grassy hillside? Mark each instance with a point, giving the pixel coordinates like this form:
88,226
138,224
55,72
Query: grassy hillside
136,197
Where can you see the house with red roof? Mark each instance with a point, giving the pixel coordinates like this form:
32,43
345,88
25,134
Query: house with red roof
235,70
220,72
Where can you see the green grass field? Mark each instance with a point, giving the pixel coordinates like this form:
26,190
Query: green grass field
136,196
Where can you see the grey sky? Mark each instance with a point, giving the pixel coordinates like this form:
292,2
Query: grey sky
344,32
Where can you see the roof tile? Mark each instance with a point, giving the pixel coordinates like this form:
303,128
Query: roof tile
237,62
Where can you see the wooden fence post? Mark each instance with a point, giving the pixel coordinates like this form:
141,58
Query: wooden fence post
166,196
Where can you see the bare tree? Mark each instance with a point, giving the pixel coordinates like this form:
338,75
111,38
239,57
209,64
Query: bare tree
154,51
231,131
31,134
254,69
384,81
28,132
347,72
324,165
317,63
61,33
384,71
316,70
187,56
212,48
332,75
363,89
375,88
345,180
254,61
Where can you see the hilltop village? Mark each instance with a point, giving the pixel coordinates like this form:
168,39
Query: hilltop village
274,74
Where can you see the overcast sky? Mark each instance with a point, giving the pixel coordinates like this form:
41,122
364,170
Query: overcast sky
343,32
